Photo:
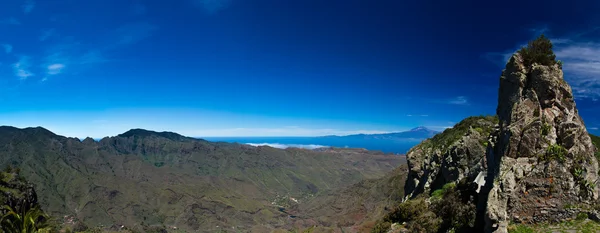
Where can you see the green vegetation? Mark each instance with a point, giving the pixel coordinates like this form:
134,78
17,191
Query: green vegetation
438,194
370,199
580,225
192,183
596,142
520,229
481,124
554,152
448,212
560,64
29,220
582,216
545,129
415,213
19,209
538,51
577,170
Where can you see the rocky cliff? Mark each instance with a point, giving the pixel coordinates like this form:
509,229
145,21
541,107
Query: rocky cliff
15,192
534,163
542,158
450,156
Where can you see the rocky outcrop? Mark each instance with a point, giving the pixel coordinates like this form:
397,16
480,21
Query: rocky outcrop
16,193
451,156
542,159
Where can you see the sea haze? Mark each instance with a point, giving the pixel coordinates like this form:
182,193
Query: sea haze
398,143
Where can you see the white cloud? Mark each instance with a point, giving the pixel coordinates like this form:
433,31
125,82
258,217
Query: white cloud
460,100
580,56
11,20
7,48
581,67
47,33
28,6
421,115
212,6
283,146
55,68
22,68
57,59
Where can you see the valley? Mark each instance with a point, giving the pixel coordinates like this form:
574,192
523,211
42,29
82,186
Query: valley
145,180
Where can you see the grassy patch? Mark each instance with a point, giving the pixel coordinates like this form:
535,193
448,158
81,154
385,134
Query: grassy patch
554,152
438,194
545,129
596,142
482,124
582,216
582,225
520,229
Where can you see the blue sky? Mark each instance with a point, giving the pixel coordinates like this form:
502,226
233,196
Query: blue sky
276,68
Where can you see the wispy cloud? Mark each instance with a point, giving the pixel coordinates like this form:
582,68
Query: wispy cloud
28,6
7,48
580,56
417,115
212,6
69,52
284,146
582,67
55,69
460,100
22,68
593,128
47,33
11,20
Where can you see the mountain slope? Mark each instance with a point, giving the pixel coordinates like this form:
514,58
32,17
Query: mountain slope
354,208
143,178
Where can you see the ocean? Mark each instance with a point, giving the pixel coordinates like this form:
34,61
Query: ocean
387,146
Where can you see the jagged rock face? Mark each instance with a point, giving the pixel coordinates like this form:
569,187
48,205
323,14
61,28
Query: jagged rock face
542,159
16,193
451,156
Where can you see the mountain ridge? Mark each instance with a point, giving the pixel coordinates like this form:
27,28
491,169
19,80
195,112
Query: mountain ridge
426,132
153,179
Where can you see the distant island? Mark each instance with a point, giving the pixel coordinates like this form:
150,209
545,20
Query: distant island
398,142
418,133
